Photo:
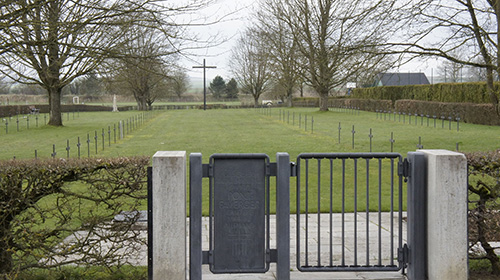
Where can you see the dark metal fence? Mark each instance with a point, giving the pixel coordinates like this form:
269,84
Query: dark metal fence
361,189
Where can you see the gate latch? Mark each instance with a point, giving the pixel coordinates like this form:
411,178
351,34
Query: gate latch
404,169
403,256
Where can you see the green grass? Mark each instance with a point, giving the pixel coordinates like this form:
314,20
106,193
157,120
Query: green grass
24,143
255,131
241,131
248,131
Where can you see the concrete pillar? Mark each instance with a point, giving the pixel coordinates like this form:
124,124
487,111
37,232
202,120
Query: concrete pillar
446,215
169,215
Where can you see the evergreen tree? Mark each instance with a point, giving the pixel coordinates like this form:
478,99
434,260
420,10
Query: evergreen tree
232,89
217,86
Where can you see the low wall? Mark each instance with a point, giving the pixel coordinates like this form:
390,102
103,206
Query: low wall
467,112
12,110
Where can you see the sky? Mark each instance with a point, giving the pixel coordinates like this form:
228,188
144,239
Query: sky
230,28
227,30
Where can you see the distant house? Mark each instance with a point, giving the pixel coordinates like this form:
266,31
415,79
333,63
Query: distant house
401,79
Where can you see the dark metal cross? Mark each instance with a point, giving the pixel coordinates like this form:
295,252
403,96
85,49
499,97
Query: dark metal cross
204,66
392,141
339,131
420,146
371,136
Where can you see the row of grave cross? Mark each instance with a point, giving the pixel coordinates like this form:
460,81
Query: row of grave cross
286,116
119,130
401,117
20,119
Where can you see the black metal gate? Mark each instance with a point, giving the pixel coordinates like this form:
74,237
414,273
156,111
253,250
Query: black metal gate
350,212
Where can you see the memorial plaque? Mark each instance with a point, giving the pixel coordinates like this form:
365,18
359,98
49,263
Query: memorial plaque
239,214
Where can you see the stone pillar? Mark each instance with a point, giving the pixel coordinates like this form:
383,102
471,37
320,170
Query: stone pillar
446,215
169,215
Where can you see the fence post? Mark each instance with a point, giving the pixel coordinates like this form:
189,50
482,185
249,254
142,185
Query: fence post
169,215
195,186
283,215
417,199
447,245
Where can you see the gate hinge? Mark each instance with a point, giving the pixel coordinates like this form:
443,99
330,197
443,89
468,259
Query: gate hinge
272,169
206,257
207,170
404,168
403,256
293,169
272,256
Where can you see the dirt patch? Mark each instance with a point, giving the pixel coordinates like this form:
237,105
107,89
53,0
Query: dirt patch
482,276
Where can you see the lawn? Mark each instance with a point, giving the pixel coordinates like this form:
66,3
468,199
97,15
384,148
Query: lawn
252,131
255,131
242,131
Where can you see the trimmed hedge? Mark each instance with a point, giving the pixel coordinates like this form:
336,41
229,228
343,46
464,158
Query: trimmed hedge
445,92
467,112
364,104
12,110
336,102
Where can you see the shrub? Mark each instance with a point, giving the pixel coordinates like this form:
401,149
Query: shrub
467,112
12,110
444,92
484,195
43,202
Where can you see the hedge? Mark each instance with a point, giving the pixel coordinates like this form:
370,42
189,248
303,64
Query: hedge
336,102
44,201
12,110
445,92
467,112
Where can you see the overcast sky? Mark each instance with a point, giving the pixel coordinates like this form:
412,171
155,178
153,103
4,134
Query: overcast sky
234,24
228,30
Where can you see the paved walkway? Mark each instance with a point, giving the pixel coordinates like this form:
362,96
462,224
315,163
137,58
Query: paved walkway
352,251
367,229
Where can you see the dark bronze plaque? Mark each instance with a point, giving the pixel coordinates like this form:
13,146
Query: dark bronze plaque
239,188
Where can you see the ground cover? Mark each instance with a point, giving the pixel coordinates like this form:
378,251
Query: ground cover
42,138
268,131
247,130
253,131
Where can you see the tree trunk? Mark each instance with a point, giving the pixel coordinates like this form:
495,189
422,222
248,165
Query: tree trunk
55,117
256,104
491,90
141,102
323,101
289,97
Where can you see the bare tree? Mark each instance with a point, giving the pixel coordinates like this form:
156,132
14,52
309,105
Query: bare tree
143,67
250,64
451,71
179,83
336,39
52,42
282,48
461,31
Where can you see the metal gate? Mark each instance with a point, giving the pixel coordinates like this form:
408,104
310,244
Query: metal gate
349,212
335,192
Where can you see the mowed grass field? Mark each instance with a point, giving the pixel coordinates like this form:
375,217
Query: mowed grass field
243,131
258,131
